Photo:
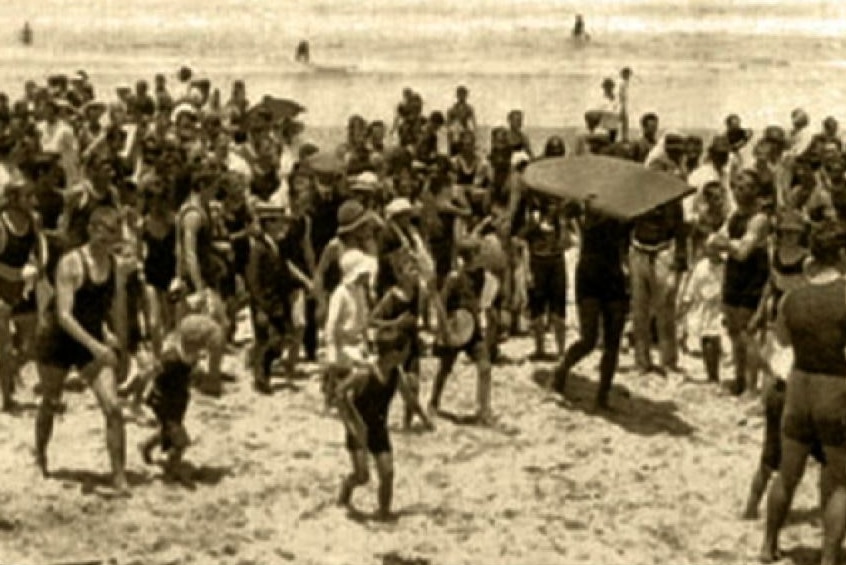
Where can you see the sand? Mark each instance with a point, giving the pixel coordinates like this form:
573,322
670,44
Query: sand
662,479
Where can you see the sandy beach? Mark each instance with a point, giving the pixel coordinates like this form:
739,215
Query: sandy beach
661,479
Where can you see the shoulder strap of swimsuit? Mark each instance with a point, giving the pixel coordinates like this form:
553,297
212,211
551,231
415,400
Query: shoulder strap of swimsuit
85,273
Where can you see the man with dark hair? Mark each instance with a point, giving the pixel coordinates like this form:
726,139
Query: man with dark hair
744,238
427,147
90,295
648,139
658,258
143,105
460,118
812,320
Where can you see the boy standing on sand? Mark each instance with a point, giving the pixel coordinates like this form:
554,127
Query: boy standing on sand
462,291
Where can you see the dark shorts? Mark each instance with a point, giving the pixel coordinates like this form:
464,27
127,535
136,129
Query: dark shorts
549,291
597,279
378,439
55,348
173,434
815,409
25,306
11,292
774,399
737,318
476,349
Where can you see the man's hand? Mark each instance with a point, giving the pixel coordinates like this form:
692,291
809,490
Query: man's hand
105,355
718,241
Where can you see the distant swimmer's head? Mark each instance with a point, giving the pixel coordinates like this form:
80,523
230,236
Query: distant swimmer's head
800,118
608,84
554,147
185,74
462,93
515,119
733,122
626,73
830,126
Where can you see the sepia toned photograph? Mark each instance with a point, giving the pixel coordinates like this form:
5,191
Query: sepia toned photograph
422,282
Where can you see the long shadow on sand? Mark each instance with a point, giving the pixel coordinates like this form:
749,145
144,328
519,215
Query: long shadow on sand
93,482
808,515
191,476
635,414
802,555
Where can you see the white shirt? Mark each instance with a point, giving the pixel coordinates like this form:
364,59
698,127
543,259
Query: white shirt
610,109
704,291
705,174
59,138
346,324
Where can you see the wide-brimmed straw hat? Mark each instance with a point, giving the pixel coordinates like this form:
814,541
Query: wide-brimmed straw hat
365,182
92,106
398,206
351,216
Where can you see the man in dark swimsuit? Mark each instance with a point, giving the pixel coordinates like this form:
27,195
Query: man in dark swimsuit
744,237
18,246
89,294
812,319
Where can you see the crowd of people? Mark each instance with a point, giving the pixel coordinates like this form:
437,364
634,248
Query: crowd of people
139,229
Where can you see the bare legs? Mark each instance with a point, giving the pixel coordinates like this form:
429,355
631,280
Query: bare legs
104,386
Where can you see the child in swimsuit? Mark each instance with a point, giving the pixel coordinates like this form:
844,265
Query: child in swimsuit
169,394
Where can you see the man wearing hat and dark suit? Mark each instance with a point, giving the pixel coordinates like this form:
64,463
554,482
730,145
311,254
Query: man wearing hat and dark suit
271,282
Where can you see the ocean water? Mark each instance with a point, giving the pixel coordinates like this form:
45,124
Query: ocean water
694,61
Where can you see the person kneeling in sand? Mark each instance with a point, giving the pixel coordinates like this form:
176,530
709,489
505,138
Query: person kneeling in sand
170,391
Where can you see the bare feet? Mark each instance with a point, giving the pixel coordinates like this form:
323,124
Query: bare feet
386,517
485,419
770,555
121,487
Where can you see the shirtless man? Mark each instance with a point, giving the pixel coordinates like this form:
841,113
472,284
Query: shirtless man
460,118
90,295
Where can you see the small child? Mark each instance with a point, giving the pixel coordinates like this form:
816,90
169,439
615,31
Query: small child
463,291
396,319
169,394
704,293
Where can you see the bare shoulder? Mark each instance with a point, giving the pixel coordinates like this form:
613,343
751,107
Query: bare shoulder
69,269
